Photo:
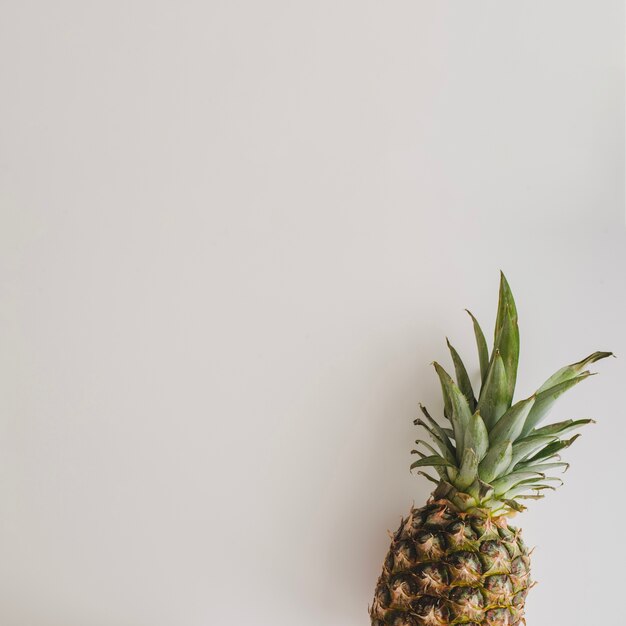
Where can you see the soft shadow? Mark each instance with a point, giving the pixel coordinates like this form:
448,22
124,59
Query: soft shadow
380,490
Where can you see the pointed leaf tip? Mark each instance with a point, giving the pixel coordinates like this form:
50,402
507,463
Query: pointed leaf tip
481,345
429,477
431,461
573,370
547,396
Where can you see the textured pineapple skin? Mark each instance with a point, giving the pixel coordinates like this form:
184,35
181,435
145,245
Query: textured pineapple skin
446,567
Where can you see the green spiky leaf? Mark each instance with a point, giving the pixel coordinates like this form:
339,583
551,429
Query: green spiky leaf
440,439
561,428
442,447
571,371
429,477
516,506
494,395
468,472
476,436
497,461
553,449
516,492
426,445
546,399
462,378
541,467
525,447
442,434
502,485
431,461
510,425
506,334
460,413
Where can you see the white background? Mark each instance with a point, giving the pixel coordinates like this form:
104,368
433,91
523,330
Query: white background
233,237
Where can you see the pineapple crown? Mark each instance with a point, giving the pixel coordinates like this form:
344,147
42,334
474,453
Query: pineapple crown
495,454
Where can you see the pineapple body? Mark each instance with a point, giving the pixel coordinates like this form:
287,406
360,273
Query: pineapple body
448,567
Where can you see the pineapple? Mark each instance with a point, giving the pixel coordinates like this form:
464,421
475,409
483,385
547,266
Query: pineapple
457,560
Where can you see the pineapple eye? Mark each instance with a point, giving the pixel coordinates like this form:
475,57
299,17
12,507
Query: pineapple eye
499,617
519,566
431,610
465,567
402,588
382,595
468,596
469,602
432,576
498,589
404,554
430,544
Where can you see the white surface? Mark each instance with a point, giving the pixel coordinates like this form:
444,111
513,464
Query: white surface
233,237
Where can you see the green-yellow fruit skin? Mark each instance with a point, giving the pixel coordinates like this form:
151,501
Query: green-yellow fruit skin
448,567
